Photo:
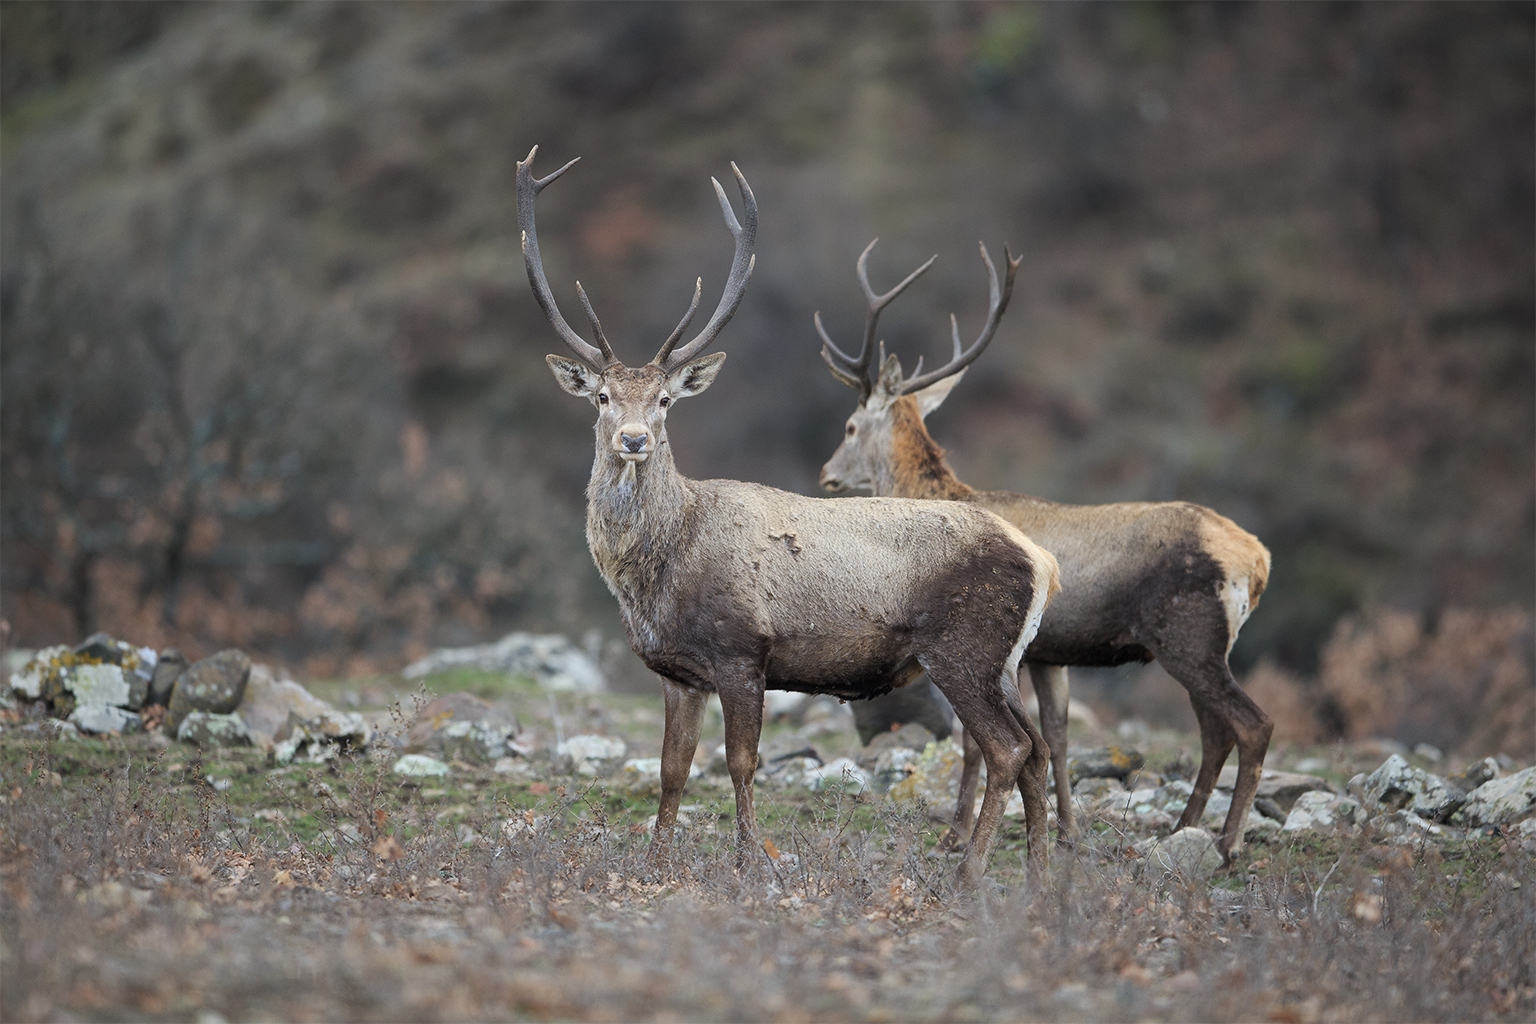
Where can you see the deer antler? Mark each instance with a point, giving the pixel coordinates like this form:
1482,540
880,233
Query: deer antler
528,188
855,371
962,359
735,285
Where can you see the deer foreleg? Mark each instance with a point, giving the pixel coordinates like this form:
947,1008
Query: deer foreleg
1050,682
680,738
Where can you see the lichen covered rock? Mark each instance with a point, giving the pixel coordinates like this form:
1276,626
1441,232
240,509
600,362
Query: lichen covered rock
216,685
206,729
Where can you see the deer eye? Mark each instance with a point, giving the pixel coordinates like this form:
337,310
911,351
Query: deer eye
602,398
851,430
665,401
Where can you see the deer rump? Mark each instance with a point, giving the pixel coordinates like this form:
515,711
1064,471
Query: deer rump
836,600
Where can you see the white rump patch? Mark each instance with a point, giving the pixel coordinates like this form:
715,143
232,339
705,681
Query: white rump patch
1031,626
1234,597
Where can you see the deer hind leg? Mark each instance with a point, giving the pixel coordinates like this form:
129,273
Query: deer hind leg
1050,682
741,702
680,738
1228,717
1005,746
1032,784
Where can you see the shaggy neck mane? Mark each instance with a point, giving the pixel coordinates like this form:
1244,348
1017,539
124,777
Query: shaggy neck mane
918,464
635,522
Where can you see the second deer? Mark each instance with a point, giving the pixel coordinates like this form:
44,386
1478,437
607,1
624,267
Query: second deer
1167,580
733,588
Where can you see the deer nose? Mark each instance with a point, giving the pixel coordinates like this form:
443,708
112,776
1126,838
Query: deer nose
831,482
633,439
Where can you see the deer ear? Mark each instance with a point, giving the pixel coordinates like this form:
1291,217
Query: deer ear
890,376
691,378
932,396
574,378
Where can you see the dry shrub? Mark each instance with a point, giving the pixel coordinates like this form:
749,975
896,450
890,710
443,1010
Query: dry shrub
1463,684
1287,701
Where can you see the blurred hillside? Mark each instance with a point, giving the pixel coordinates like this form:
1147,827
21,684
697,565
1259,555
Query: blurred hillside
272,375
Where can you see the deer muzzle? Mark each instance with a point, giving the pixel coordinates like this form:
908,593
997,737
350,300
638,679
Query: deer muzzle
832,482
632,443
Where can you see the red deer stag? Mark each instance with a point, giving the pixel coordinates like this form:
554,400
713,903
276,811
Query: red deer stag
733,588
1140,580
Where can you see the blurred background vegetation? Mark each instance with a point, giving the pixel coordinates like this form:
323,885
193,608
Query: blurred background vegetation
272,375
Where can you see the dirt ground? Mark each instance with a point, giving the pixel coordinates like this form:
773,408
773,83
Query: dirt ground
148,880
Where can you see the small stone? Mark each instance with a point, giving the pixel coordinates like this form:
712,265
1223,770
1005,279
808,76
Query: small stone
419,766
1090,790
842,773
461,726
1281,787
1473,775
104,719
215,684
170,665
206,729
1316,809
913,736
1428,752
892,766
1397,785
1189,852
552,660
1110,762
1407,824
1500,801
589,755
785,746
935,777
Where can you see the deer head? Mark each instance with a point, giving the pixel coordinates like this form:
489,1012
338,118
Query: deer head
867,455
632,403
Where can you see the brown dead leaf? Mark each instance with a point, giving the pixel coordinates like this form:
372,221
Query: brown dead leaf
283,877
770,849
539,788
388,848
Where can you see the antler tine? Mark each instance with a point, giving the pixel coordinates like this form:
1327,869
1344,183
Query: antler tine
832,364
963,358
677,332
528,188
857,368
735,285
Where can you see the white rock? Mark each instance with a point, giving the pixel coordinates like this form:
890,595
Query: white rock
97,684
1500,801
649,768
28,682
1408,824
419,765
1190,852
105,718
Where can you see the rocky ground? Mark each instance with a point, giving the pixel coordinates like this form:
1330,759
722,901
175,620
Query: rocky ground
470,840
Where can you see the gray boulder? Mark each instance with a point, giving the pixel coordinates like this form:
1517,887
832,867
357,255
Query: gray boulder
206,729
462,726
1500,801
552,660
269,704
912,736
171,664
1398,786
215,684
1474,775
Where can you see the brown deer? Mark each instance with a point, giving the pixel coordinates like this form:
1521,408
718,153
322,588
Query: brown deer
1140,580
733,588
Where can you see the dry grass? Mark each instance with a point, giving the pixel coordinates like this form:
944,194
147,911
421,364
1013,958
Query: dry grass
138,892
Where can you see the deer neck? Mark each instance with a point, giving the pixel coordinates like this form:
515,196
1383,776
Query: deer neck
636,514
916,467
